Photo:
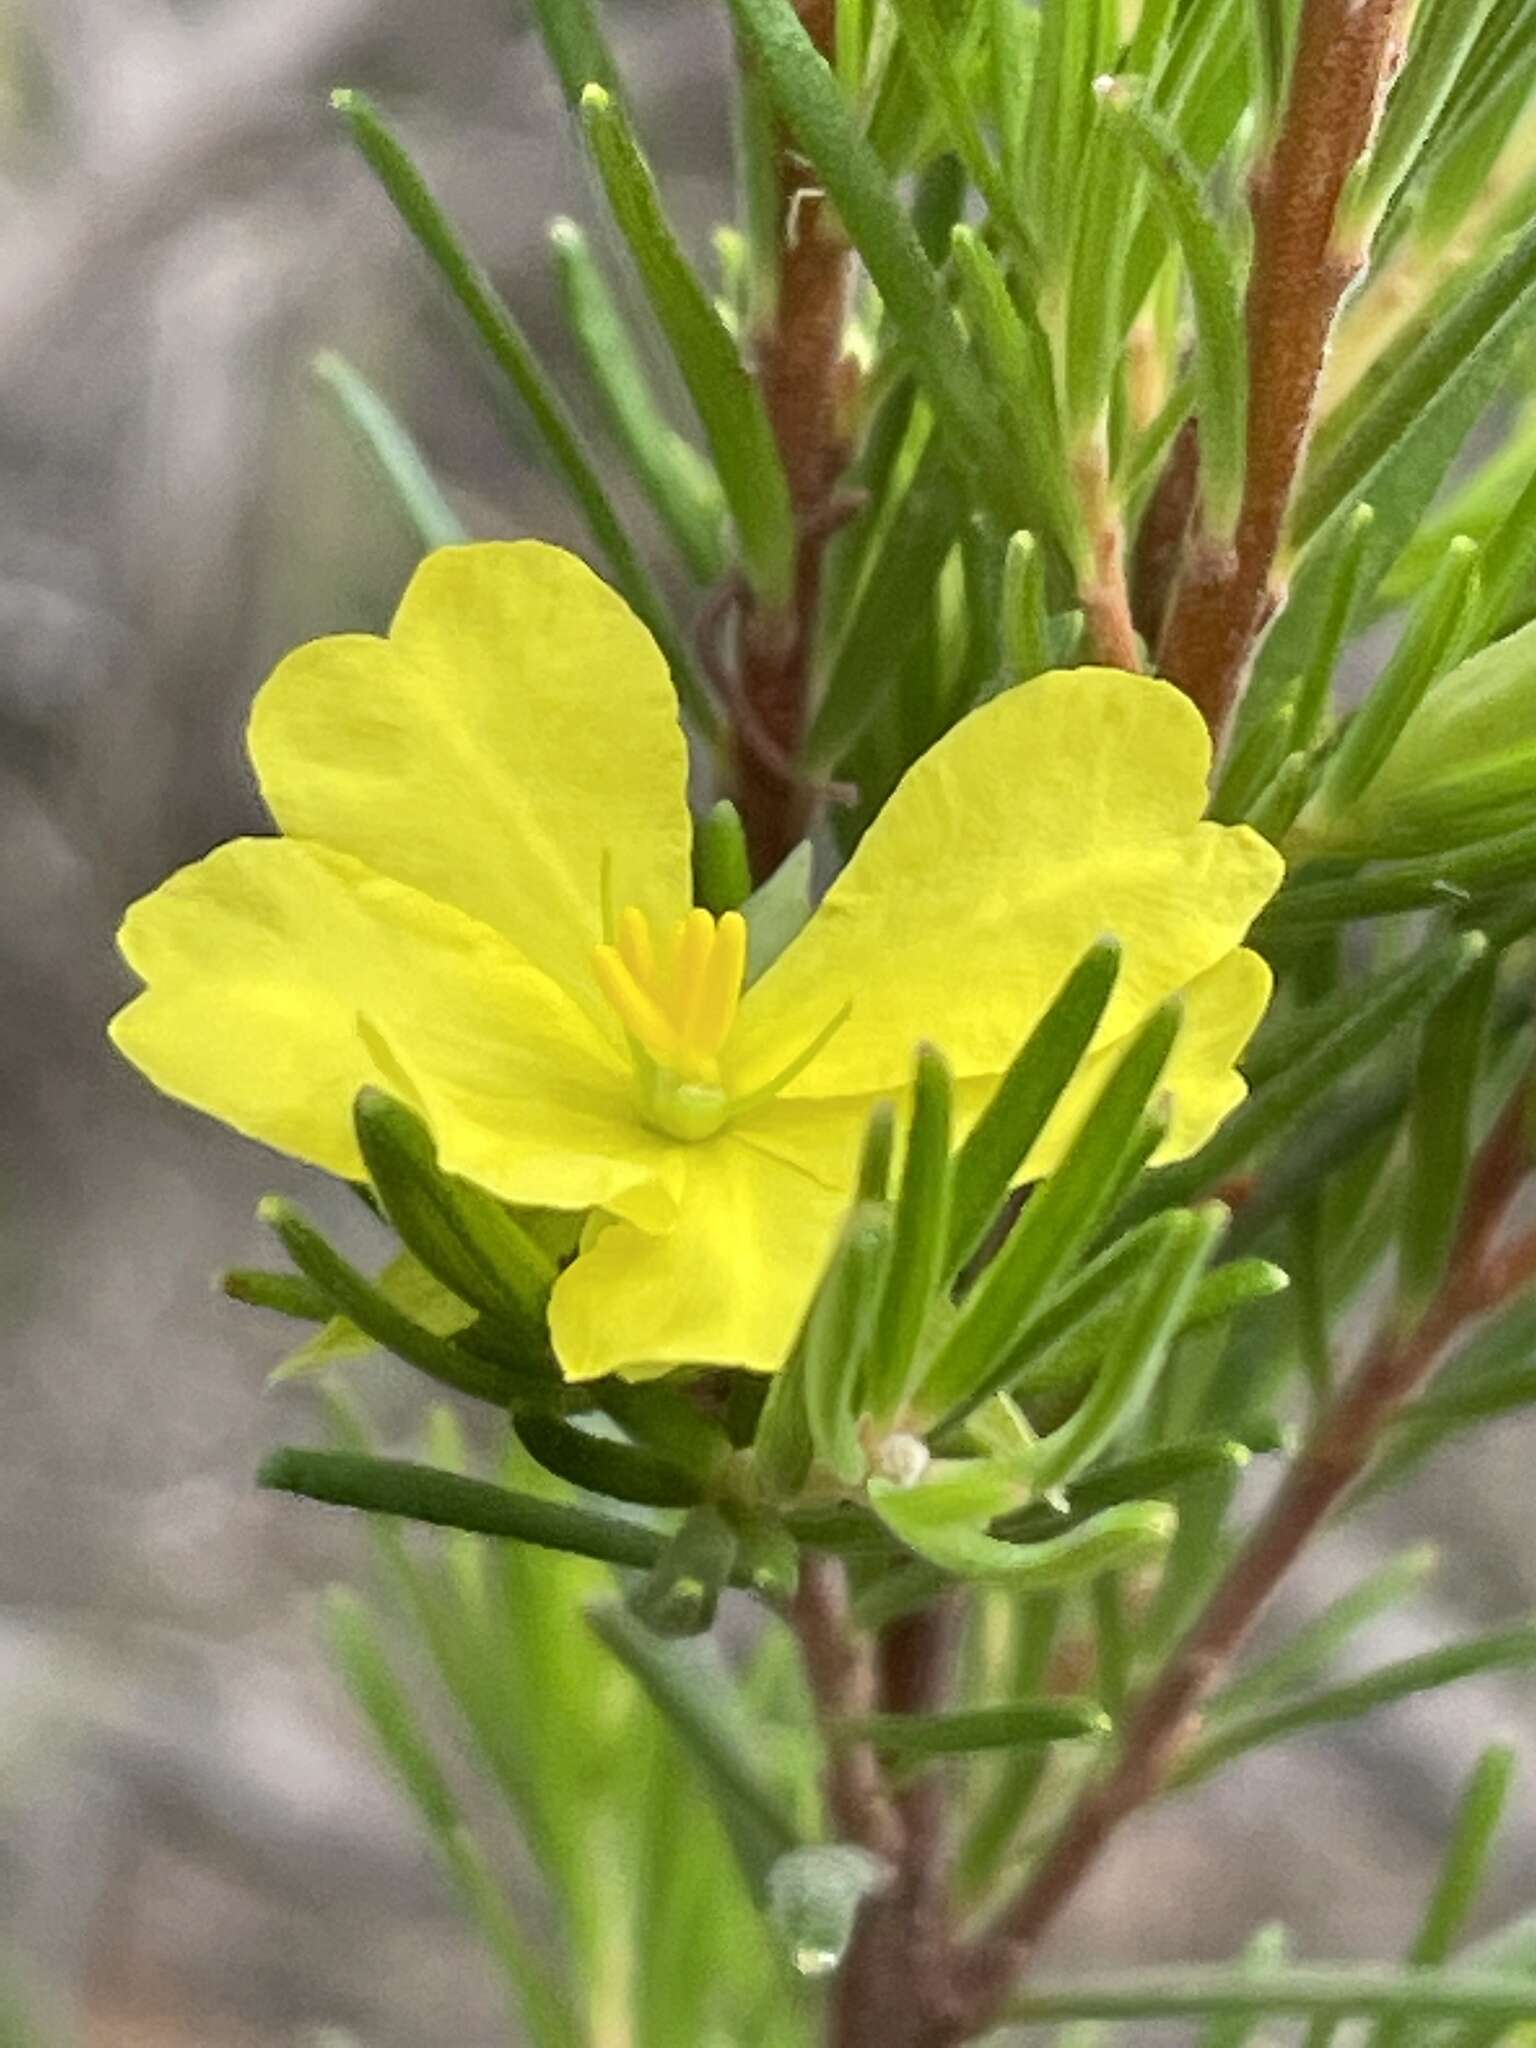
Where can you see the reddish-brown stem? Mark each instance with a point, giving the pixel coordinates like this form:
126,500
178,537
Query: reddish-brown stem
840,1667
1160,534
1339,1450
892,1989
1345,54
805,378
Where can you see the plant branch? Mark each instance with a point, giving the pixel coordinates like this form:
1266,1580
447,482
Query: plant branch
1337,1454
1105,594
1346,53
806,382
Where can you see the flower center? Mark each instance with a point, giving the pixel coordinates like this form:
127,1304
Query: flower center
676,996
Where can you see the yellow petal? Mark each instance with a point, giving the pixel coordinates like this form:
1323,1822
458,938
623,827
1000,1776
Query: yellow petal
1201,1083
517,725
727,1285
281,977
1066,809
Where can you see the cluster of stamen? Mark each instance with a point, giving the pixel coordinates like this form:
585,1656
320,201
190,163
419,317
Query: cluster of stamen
677,997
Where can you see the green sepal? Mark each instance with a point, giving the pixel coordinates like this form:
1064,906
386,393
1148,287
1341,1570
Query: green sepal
459,1232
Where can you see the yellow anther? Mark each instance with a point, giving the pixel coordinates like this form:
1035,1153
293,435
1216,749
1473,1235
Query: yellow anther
695,949
638,1011
720,989
677,1003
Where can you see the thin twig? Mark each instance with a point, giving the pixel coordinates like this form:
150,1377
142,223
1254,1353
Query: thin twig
840,1667
1106,596
1346,53
1340,1449
806,379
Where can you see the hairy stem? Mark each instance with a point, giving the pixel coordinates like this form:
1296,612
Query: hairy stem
1345,55
1336,1455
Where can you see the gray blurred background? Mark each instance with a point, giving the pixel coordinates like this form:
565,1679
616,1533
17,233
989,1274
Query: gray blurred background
196,1847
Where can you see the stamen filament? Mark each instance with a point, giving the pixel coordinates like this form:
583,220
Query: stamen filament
797,1066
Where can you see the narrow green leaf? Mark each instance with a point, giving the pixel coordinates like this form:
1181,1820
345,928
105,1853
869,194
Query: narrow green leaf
461,1234
1120,1539
1221,363
1191,1993
1314,1646
896,592
678,483
1429,645
362,1303
836,1340
916,1264
604,1465
573,39
1503,1650
1009,1725
399,460
1025,627
930,44
806,95
1388,888
877,1153
418,1493
695,1696
1017,358
1444,32
541,2003
1405,439
289,1294
1312,1060
509,349
1057,1222
1314,693
725,396
1461,1874
1440,1120
1007,1129
1136,1352
1159,1474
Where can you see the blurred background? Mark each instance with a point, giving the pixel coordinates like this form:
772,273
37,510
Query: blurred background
197,1848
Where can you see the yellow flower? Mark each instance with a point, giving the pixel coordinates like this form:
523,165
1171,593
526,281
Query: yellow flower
461,800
